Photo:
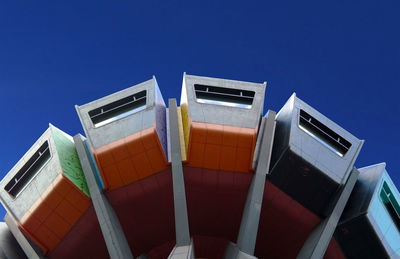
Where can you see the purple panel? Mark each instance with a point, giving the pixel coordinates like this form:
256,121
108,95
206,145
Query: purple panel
161,126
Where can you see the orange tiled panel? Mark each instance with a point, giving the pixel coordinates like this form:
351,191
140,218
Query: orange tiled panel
130,159
54,214
221,147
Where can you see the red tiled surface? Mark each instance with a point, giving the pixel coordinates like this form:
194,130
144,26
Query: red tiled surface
146,211
53,215
215,201
162,251
83,241
219,147
334,251
284,226
130,159
209,247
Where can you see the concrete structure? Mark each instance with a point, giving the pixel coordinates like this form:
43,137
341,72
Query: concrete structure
30,249
220,122
319,239
184,246
209,179
183,252
113,234
251,215
312,155
46,192
127,133
9,247
370,225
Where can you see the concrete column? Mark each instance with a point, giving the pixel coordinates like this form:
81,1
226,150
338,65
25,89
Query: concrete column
115,239
30,249
182,252
9,246
246,242
184,246
232,251
318,240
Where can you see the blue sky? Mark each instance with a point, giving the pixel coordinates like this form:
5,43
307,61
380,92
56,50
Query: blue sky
341,57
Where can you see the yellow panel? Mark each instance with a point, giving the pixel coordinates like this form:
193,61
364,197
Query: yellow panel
181,134
186,124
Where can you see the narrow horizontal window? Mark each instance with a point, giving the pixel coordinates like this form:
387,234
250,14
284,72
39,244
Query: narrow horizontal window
391,205
28,170
323,134
118,109
224,96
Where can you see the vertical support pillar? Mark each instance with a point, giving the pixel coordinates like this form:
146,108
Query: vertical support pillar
319,238
182,252
184,245
9,247
246,241
29,248
115,239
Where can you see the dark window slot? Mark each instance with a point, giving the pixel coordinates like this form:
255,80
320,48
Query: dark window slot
118,109
29,170
323,133
219,94
391,205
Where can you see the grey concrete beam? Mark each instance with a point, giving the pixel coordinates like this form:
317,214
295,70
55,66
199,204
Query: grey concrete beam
318,240
258,143
9,246
115,239
232,251
30,249
180,207
182,252
251,216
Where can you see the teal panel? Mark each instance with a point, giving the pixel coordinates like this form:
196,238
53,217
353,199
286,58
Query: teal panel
69,160
384,209
93,164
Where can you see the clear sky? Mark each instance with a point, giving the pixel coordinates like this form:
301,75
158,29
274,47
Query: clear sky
341,57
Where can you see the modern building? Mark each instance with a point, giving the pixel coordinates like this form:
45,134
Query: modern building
216,177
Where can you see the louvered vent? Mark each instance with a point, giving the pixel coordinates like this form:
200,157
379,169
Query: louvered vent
28,170
118,109
323,134
224,96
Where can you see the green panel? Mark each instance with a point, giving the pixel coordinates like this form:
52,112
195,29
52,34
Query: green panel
69,160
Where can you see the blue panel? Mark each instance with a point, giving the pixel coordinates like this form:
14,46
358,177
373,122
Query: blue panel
94,166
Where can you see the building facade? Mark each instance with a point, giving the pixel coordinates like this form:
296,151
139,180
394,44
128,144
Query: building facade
216,177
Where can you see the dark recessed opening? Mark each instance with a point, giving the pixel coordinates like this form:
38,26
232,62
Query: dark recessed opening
29,170
224,96
118,109
324,134
391,205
